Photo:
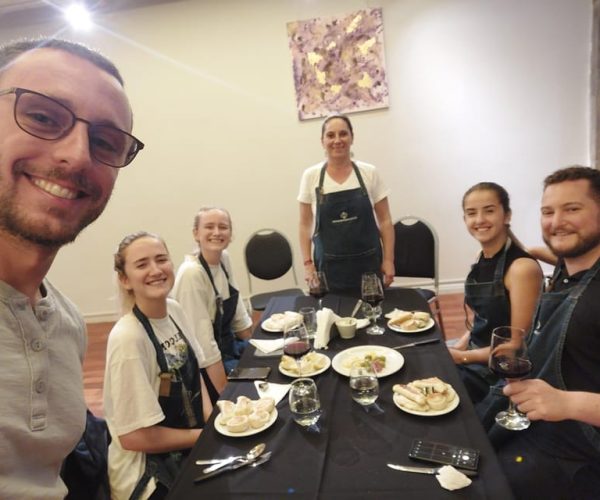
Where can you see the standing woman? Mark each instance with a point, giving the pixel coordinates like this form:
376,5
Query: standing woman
157,398
207,292
347,203
502,288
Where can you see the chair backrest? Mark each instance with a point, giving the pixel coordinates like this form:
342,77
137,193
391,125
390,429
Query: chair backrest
416,249
268,256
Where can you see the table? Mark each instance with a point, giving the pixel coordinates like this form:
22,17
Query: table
347,460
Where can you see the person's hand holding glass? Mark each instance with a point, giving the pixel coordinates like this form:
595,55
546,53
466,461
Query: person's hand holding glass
372,294
509,360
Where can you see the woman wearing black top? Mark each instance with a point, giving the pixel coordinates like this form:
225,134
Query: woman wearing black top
502,288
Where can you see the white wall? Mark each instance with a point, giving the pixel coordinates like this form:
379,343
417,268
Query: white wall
479,90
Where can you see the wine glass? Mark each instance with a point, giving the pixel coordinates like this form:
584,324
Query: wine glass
296,343
372,293
317,286
364,384
509,359
304,402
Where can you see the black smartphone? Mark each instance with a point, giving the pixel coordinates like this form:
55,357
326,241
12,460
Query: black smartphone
444,453
256,373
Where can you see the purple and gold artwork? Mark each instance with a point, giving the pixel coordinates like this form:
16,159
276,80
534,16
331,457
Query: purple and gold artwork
339,64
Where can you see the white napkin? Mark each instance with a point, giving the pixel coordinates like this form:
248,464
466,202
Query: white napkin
361,323
275,391
268,346
325,319
452,479
281,321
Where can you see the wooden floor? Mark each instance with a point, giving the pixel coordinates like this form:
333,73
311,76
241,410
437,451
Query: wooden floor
93,368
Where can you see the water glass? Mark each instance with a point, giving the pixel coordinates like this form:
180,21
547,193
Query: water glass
309,316
364,384
304,402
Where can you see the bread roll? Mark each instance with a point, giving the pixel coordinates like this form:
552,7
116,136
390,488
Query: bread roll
410,393
437,401
423,316
401,318
264,404
258,419
407,403
239,423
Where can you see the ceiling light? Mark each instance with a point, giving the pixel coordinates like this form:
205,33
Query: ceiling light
78,16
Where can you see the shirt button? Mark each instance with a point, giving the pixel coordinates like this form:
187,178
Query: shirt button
40,386
37,345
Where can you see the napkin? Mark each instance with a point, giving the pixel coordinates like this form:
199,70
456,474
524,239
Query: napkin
452,479
268,346
275,391
325,319
361,323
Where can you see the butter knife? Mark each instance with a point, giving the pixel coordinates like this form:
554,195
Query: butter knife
233,466
427,470
420,342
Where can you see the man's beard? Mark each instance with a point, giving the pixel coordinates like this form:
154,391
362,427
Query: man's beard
583,246
16,220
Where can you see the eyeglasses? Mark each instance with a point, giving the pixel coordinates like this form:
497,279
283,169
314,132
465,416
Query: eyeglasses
46,118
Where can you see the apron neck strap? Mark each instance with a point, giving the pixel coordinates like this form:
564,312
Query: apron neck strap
206,267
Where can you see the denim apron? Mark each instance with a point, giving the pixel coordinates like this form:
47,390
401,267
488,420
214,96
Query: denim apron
180,399
572,448
346,239
491,307
230,346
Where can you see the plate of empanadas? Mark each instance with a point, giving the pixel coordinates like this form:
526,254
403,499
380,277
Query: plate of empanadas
310,365
410,322
278,322
427,397
245,417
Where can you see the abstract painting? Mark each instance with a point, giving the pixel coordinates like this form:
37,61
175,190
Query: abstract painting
338,63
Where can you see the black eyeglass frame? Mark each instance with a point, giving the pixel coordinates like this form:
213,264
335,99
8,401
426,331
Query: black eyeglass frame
18,91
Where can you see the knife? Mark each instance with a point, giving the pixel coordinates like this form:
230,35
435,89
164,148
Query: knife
428,470
235,465
420,342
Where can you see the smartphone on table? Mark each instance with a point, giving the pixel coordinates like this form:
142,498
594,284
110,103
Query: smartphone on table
249,373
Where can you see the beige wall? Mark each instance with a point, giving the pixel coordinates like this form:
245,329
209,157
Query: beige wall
479,90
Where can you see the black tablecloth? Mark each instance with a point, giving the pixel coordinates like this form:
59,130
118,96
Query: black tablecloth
347,459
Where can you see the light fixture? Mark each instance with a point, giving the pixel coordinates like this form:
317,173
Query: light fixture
78,16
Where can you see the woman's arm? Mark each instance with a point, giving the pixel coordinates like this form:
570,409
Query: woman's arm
386,230
159,439
305,233
216,373
523,280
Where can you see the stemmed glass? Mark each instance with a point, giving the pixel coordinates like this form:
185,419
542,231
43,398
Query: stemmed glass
509,360
317,286
296,343
372,293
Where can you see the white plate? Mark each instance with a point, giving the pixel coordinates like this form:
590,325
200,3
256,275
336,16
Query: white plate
268,327
393,359
221,429
307,374
427,326
432,413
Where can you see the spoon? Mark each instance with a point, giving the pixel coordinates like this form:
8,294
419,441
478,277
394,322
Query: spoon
250,456
356,308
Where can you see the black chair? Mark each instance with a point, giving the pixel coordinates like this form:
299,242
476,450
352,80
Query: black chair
416,256
268,256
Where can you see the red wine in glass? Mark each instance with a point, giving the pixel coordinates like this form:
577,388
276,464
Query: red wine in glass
297,349
510,368
317,287
374,300
509,360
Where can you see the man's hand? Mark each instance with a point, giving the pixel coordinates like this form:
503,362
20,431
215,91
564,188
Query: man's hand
539,400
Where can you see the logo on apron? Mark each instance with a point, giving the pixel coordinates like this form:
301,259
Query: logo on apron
344,218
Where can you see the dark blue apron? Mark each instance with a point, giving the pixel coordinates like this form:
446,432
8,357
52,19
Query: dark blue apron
180,399
491,307
346,239
570,457
230,346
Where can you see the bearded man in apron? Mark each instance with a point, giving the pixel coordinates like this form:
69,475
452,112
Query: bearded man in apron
558,456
